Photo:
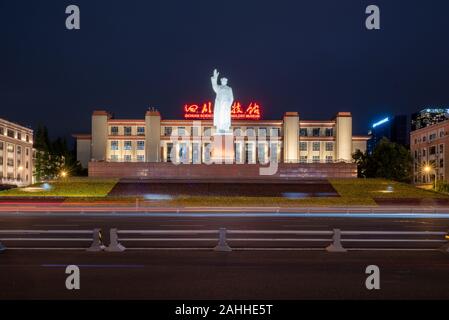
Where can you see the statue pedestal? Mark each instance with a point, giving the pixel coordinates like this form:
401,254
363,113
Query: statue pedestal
223,148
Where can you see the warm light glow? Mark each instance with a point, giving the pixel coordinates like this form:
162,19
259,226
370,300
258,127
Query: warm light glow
63,174
427,169
20,168
238,112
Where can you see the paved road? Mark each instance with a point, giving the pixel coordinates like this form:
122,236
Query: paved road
235,275
204,274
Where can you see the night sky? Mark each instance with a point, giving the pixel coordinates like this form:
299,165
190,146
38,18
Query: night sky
315,57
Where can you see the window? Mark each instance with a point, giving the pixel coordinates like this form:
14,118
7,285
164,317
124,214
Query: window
114,157
207,131
27,151
10,133
181,131
237,131
316,146
441,163
10,162
275,132
441,149
10,148
250,132
303,159
432,150
2,131
1,145
433,136
127,158
114,131
127,131
329,146
140,158
303,132
316,159
127,145
114,145
19,136
168,131
441,133
303,146
27,138
316,132
262,132
423,152
140,145
329,132
424,139
19,150
140,131
329,159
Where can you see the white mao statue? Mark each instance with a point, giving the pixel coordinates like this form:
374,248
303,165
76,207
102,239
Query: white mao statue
223,103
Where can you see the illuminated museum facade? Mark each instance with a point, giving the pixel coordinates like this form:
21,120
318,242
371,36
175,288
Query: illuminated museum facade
189,140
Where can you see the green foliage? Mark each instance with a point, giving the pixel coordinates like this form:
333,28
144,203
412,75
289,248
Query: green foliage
389,160
441,186
53,157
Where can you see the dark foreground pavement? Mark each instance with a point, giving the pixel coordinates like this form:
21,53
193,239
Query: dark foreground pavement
234,275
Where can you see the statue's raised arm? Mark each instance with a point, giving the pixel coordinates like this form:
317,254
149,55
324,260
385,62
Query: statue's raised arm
214,80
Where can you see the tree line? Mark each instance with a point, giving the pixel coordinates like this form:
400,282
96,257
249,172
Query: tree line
53,157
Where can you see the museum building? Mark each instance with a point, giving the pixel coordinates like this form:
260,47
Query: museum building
124,147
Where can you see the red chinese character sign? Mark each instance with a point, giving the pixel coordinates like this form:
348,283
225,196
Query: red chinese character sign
238,111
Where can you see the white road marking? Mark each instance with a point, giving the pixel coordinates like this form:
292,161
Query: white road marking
56,225
181,225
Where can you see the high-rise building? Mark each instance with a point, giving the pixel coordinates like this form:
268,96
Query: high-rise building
394,128
428,117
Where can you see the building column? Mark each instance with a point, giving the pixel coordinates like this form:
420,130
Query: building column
291,137
99,135
343,136
152,136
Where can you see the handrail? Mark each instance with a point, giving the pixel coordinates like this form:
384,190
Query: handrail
96,238
335,246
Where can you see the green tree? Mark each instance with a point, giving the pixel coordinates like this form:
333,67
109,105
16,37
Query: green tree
389,160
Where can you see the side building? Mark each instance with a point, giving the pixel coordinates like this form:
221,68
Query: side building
430,151
156,140
16,154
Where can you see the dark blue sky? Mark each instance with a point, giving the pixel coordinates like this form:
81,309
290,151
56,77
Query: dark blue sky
314,57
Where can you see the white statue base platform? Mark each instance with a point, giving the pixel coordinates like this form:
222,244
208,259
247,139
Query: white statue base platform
223,148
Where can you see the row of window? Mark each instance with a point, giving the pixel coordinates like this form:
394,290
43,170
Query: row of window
13,134
316,146
127,131
433,150
431,137
207,131
316,132
128,158
10,148
127,145
315,159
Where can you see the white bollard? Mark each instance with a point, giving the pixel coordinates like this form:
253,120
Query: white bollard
97,244
114,245
222,245
336,245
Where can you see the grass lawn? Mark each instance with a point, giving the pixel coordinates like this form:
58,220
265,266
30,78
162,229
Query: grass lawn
70,187
360,192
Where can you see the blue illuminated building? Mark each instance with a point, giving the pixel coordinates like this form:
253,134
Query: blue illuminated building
394,128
